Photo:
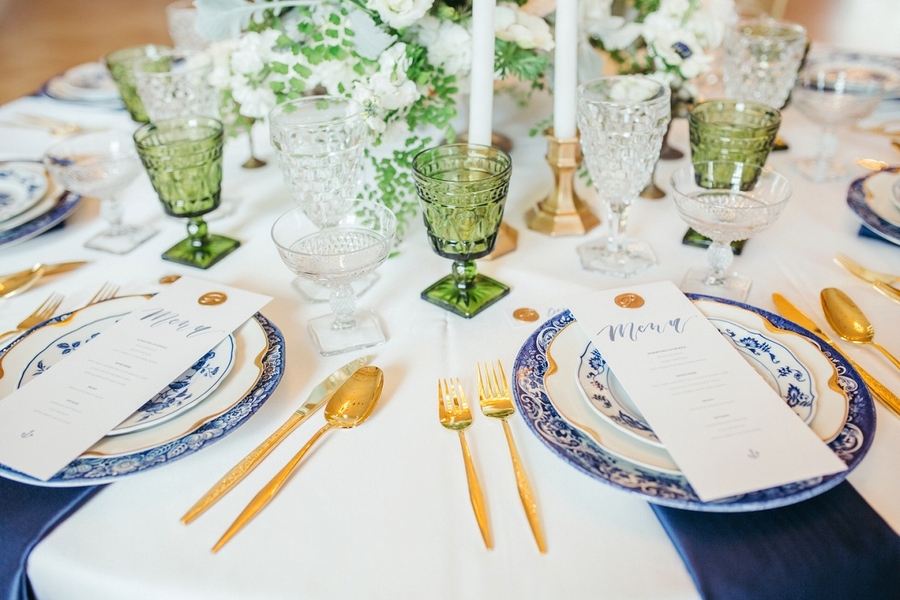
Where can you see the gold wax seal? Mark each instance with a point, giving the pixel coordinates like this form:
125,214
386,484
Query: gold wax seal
525,314
629,300
212,298
169,279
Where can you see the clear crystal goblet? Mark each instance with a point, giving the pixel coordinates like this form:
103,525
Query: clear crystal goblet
334,255
319,146
725,209
175,83
101,164
622,121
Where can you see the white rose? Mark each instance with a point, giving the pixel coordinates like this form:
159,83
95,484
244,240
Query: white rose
400,13
511,24
451,48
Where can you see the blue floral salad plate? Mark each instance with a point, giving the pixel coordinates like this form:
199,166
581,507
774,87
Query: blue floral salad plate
21,187
255,352
549,396
55,205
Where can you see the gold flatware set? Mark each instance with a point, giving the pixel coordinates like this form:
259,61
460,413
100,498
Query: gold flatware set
22,281
883,282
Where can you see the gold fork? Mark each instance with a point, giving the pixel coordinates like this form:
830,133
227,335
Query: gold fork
455,414
496,402
880,281
106,292
42,313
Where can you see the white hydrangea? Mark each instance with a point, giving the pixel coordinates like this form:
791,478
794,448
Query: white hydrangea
221,56
400,14
527,31
254,51
615,32
256,102
449,45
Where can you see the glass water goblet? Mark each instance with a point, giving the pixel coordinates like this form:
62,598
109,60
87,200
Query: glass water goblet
101,164
732,130
121,67
726,210
837,91
175,83
181,17
319,145
348,247
462,190
183,158
622,121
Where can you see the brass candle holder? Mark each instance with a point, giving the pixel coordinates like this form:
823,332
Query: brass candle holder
562,212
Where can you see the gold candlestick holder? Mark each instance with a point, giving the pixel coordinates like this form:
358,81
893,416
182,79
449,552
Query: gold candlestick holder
562,212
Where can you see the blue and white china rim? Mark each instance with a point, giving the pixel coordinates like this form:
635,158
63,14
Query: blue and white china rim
95,470
27,187
67,203
777,364
582,452
857,199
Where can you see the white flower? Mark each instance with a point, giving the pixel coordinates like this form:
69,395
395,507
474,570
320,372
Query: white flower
681,49
371,107
255,102
449,45
221,56
512,24
400,13
254,51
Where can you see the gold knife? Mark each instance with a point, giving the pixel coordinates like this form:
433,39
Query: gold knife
316,399
63,267
879,390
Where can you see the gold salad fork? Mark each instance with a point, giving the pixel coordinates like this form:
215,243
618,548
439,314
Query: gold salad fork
106,292
455,414
42,313
880,281
496,402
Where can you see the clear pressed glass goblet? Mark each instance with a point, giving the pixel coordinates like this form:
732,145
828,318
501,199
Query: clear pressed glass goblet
726,209
175,83
622,121
101,164
181,17
349,247
319,144
836,91
121,67
183,158
462,190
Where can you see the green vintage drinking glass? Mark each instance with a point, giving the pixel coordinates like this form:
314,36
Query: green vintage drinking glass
121,67
462,190
183,158
731,131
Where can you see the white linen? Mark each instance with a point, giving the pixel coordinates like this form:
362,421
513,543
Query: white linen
382,511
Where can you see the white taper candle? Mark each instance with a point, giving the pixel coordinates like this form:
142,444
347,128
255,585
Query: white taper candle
565,79
481,97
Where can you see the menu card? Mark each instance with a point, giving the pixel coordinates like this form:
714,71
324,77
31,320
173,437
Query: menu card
727,430
52,419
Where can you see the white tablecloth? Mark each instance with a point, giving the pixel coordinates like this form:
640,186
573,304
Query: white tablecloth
382,511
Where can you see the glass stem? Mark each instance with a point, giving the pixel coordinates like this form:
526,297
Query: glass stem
617,219
463,272
250,140
719,257
198,232
343,304
827,148
112,212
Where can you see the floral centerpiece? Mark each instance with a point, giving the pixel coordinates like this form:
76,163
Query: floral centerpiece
405,61
672,40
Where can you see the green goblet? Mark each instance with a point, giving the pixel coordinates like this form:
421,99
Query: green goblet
184,160
729,131
121,67
462,189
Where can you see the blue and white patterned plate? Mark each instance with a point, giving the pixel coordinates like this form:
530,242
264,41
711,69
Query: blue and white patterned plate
55,206
195,384
21,187
259,365
534,365
871,199
777,364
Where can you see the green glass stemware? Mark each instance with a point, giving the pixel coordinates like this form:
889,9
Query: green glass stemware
183,158
121,67
462,189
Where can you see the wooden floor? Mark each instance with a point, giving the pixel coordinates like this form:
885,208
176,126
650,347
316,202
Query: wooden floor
40,38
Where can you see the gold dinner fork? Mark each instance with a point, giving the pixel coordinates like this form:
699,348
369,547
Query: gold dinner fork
880,281
496,402
106,292
455,414
42,313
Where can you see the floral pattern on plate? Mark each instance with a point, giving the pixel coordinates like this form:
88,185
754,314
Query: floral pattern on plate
870,198
21,187
580,450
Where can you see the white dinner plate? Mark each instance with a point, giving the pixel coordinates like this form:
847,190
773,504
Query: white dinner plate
21,187
257,370
542,383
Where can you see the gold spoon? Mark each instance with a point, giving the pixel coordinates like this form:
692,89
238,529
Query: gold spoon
21,281
849,322
351,404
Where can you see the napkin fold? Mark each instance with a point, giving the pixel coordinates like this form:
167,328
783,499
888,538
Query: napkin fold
868,233
833,546
27,514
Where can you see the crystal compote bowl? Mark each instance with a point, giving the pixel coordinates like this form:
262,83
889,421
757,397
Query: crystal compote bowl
462,189
335,255
101,164
725,209
837,91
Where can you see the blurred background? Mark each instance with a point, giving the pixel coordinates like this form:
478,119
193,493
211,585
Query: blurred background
42,38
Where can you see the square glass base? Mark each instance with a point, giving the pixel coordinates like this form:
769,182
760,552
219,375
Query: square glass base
216,248
732,287
632,257
329,341
123,241
467,302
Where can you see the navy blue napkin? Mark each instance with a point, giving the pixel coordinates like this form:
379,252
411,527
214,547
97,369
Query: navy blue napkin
868,233
27,514
833,546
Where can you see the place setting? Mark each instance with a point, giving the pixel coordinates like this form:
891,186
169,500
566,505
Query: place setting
31,201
